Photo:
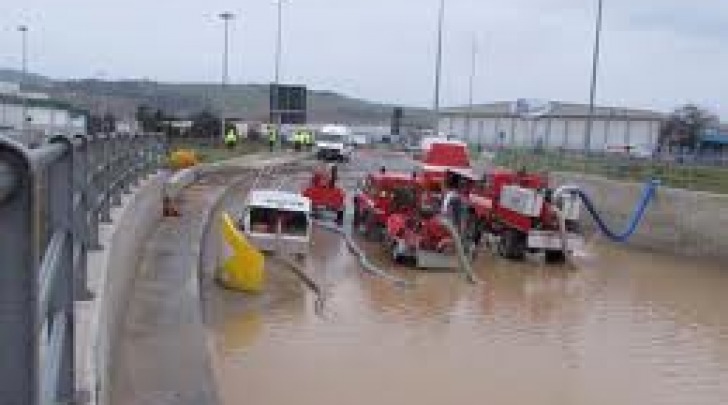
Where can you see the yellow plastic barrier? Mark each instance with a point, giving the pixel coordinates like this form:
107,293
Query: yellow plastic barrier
242,269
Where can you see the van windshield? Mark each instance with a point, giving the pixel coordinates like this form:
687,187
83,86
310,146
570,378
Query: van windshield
330,138
266,220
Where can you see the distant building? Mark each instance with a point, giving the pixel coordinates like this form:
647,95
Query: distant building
45,117
715,140
552,125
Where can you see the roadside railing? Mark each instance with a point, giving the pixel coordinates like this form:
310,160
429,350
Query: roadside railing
52,200
695,175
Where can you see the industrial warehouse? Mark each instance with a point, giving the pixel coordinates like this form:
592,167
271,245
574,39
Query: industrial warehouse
552,125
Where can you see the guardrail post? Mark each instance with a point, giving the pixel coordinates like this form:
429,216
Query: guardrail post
60,204
105,176
18,337
160,148
136,151
124,163
93,176
116,171
81,211
146,153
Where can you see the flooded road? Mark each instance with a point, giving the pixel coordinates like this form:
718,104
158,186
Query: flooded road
624,327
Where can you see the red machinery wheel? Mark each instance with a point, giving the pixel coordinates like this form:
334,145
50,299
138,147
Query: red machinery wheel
340,217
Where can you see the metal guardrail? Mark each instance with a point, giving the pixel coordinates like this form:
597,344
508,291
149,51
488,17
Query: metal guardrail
52,200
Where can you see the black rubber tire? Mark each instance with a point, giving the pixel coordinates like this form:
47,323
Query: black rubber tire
372,231
340,218
555,257
396,257
356,219
512,245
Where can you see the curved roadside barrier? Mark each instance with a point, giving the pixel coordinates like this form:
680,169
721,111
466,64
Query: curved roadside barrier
361,256
243,268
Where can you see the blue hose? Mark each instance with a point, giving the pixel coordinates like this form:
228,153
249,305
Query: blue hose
648,193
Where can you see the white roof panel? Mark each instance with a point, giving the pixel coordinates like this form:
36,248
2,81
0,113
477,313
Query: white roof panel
280,200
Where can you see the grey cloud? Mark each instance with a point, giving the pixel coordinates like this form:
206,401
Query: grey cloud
657,53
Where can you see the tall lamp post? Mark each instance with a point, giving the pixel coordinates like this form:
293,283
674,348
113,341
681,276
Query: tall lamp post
226,18
438,66
471,85
279,42
23,29
277,73
593,85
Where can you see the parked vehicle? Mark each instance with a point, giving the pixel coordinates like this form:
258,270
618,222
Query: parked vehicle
278,221
515,211
379,195
333,143
324,194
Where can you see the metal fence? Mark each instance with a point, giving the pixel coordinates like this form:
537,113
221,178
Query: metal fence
52,200
689,174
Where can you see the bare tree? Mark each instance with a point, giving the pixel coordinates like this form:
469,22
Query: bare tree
684,126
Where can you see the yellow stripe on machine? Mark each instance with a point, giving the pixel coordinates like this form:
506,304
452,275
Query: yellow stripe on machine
242,267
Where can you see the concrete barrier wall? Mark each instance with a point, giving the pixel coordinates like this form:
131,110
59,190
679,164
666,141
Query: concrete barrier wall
687,223
111,274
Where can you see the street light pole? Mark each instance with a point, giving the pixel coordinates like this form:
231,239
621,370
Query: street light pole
23,29
593,86
471,84
277,74
279,42
226,17
438,66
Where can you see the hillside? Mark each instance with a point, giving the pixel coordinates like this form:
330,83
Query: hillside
247,101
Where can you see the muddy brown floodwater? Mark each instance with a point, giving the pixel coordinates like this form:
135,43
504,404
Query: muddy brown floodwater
623,327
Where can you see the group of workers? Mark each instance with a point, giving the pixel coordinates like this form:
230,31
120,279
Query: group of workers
302,138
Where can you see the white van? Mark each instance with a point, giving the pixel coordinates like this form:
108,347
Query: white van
278,221
333,142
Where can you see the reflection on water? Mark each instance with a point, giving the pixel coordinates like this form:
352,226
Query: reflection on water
625,328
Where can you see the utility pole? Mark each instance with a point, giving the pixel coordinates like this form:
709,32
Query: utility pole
438,67
279,42
23,29
226,17
277,74
593,85
471,84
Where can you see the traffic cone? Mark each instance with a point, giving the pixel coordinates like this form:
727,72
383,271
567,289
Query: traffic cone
168,208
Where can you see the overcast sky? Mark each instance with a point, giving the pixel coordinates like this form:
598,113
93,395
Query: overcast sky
656,53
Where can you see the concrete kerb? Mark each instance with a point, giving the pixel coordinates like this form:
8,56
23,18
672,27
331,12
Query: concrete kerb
229,189
186,177
113,269
110,275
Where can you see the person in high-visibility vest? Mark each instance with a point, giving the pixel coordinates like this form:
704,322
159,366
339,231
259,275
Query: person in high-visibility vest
298,139
308,139
231,138
272,136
